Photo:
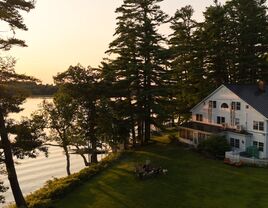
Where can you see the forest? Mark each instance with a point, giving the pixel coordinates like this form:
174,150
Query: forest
35,89
148,80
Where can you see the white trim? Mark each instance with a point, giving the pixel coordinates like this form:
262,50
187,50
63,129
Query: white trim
208,97
215,91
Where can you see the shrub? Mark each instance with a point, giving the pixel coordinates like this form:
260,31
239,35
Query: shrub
59,187
173,137
215,146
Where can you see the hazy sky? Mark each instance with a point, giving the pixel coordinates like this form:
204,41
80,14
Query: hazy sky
66,32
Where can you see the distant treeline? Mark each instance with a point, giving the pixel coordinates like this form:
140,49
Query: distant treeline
35,89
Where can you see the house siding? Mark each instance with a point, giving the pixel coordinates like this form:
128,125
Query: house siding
246,116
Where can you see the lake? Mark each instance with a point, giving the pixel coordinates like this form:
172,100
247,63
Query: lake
33,173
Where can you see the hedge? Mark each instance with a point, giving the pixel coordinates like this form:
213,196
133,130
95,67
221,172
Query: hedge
58,188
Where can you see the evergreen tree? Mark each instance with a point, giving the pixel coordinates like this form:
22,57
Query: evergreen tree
247,36
140,62
234,37
186,60
27,135
217,50
10,14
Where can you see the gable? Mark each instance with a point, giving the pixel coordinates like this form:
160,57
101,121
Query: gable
223,95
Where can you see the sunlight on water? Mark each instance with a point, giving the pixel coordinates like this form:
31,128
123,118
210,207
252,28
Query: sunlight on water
33,173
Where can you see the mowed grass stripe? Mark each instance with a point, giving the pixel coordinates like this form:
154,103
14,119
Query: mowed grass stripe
192,181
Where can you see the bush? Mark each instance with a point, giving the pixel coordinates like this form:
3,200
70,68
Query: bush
59,187
215,146
173,138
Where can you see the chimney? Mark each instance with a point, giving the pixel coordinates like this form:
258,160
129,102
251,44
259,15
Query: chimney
261,86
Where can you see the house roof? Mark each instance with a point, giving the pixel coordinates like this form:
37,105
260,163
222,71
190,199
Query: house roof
210,128
252,95
202,127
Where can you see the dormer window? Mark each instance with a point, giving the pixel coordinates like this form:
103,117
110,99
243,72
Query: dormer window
224,105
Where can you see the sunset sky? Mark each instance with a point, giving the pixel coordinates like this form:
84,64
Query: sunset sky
66,32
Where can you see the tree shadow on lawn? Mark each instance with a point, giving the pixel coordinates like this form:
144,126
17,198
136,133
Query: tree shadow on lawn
192,181
119,187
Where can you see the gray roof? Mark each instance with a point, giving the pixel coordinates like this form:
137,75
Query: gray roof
210,128
252,95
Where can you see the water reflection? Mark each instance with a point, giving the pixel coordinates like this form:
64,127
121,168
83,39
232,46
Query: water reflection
33,173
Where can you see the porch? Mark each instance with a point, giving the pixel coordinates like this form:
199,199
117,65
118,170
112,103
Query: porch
194,133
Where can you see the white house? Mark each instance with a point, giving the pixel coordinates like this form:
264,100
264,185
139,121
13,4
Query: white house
240,112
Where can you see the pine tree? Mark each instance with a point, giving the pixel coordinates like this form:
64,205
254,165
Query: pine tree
247,35
140,62
10,100
234,37
217,50
186,60
10,14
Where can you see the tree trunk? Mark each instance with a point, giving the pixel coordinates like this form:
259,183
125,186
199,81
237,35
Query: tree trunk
67,155
94,155
133,135
84,159
11,171
126,142
83,156
132,124
140,132
147,126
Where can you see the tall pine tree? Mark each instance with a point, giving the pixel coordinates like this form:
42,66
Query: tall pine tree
247,35
186,59
140,62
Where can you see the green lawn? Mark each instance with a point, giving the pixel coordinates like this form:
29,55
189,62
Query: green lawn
192,181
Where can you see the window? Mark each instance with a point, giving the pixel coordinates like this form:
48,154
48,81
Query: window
258,125
255,125
255,144
190,135
259,145
224,105
234,143
247,107
261,126
199,117
220,120
236,106
212,104
233,105
237,143
201,137
237,121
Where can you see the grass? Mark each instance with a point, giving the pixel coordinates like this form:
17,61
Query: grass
192,181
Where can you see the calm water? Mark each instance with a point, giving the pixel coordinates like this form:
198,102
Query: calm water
33,173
